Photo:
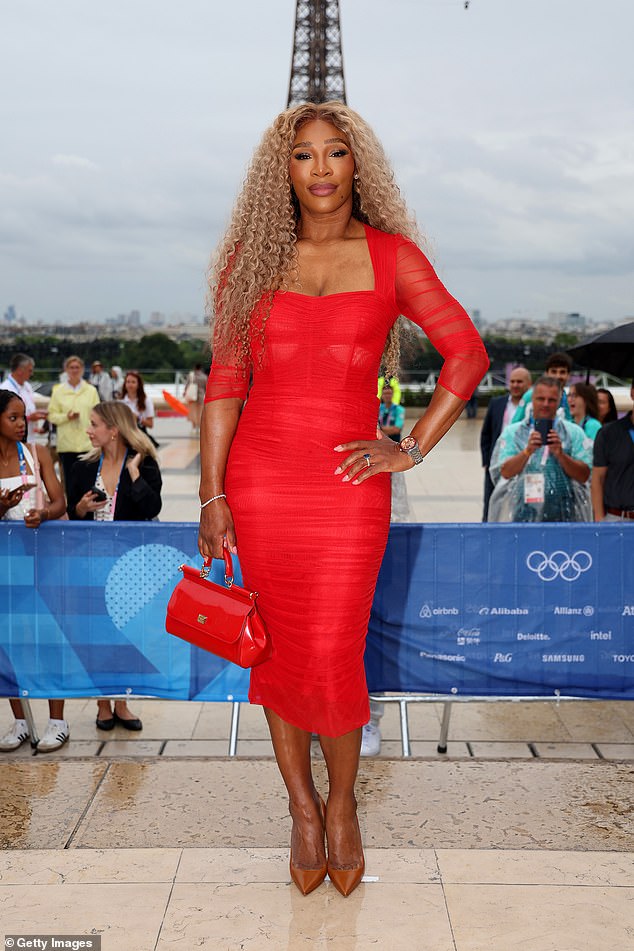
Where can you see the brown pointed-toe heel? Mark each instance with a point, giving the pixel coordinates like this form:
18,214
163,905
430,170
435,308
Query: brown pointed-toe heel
308,879
346,880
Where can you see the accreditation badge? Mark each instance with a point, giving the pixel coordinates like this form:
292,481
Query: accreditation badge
534,487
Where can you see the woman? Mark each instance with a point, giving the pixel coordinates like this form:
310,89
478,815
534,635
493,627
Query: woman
25,471
607,407
194,395
118,480
584,407
313,271
69,410
133,395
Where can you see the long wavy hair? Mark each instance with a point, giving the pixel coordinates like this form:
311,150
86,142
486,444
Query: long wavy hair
119,416
140,393
258,251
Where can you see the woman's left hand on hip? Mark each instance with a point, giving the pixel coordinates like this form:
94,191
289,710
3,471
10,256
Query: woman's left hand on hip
367,458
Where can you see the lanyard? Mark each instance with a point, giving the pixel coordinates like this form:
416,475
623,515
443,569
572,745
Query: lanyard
113,501
22,462
387,414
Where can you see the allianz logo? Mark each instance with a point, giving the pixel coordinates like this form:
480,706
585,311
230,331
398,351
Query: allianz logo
427,611
492,612
628,611
587,610
559,564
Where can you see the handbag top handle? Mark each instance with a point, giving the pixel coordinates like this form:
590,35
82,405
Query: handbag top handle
226,554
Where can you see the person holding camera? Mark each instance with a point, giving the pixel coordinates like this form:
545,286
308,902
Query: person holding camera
117,480
541,465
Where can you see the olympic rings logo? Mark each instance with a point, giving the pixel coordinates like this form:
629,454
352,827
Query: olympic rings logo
559,564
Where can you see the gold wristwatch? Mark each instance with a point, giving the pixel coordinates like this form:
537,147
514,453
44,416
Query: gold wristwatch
410,445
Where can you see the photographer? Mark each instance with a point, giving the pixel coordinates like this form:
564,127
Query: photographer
541,465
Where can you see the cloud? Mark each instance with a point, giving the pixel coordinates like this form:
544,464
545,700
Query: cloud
128,127
74,162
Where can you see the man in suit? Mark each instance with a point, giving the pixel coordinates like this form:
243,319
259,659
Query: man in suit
499,414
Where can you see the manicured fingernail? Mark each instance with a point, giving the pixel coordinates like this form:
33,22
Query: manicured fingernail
337,470
345,479
338,448
234,550
355,482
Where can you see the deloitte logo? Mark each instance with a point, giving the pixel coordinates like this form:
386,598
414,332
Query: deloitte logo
427,611
559,565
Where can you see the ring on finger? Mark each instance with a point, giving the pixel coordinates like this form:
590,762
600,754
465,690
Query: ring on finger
366,456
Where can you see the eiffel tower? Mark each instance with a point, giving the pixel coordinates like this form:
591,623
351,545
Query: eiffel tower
317,64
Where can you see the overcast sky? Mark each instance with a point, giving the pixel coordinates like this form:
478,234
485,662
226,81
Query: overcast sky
126,127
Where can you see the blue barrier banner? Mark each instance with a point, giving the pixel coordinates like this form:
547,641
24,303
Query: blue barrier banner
82,608
505,610
477,610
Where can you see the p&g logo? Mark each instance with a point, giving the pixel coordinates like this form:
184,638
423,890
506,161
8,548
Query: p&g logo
559,565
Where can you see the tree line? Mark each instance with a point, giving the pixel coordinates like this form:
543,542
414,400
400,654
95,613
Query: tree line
158,351
154,351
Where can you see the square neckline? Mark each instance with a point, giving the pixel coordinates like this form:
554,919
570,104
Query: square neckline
368,229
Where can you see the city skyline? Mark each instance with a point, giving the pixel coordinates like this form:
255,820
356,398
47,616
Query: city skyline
128,128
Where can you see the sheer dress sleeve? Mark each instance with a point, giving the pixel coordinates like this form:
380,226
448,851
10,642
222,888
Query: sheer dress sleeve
227,381
423,299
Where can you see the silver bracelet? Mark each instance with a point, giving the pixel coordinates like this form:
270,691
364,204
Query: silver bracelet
222,496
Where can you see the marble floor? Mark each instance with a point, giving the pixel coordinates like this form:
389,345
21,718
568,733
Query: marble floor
519,837
240,900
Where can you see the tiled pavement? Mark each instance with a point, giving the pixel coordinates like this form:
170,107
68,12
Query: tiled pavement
519,838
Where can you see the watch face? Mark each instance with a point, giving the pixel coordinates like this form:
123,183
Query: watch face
408,443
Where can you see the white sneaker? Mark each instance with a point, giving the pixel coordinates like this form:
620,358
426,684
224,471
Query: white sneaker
15,737
371,739
55,735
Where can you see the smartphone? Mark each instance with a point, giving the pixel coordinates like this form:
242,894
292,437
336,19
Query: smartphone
99,494
544,426
23,488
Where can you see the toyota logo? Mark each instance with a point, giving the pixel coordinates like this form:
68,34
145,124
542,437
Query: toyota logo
559,565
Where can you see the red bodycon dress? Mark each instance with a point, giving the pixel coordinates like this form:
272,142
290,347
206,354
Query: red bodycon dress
310,544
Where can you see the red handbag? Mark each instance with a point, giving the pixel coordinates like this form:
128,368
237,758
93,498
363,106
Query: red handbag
224,621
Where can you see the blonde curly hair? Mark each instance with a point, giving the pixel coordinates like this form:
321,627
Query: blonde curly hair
263,228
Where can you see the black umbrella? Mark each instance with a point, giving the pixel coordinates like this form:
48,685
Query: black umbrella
612,352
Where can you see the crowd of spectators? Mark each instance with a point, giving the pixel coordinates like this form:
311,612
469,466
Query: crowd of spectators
563,456
553,451
97,430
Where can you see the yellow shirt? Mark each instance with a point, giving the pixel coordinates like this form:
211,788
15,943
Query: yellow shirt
71,433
